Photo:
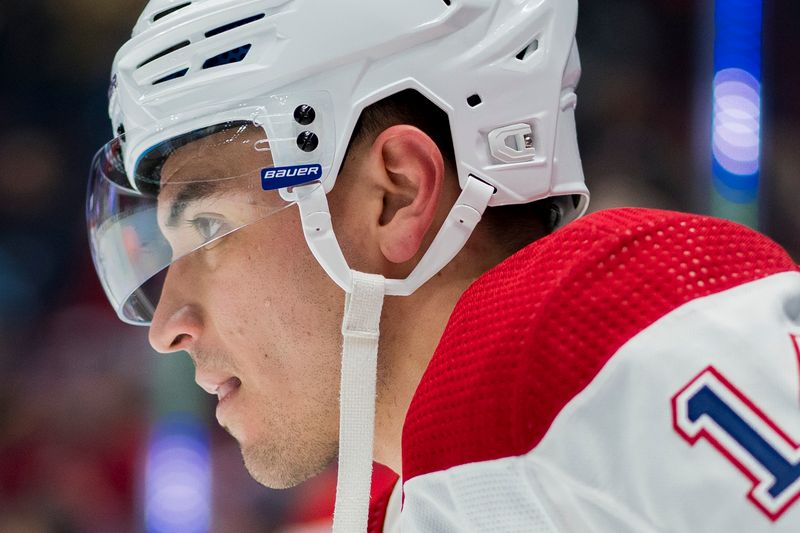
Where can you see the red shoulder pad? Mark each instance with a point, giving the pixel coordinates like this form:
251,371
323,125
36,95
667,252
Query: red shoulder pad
533,332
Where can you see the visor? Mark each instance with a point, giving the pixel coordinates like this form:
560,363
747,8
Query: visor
185,193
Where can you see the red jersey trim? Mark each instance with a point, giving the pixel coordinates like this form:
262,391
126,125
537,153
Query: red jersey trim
383,483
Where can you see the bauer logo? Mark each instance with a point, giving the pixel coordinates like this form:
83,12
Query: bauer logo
282,177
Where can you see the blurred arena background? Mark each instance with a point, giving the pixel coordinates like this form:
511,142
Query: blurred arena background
83,401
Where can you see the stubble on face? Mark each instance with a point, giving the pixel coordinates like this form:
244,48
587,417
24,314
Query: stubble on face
287,463
299,448
286,434
286,440
286,355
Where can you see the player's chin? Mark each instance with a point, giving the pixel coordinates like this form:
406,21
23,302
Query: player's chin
284,470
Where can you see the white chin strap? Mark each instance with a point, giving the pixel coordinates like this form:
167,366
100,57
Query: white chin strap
453,235
360,329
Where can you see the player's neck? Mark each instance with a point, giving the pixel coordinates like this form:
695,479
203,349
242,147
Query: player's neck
410,332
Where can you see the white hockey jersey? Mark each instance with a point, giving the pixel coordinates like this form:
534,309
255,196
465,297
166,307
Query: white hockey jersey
636,371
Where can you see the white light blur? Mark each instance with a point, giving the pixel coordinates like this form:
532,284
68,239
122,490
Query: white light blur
737,121
178,483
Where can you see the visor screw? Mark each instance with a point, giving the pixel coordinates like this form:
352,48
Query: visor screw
304,115
308,141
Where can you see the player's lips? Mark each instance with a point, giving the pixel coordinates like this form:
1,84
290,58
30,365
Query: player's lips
226,389
226,393
212,380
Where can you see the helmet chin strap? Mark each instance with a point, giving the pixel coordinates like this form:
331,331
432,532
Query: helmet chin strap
453,235
360,330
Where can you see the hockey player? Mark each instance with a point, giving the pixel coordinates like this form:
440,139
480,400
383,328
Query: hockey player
632,371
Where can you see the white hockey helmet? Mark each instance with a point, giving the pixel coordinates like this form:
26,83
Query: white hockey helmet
261,98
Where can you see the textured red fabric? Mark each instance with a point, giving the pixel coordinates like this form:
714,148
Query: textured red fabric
383,483
533,332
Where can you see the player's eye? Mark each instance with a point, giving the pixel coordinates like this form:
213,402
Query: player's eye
210,228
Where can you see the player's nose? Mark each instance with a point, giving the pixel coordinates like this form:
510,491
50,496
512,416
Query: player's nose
177,322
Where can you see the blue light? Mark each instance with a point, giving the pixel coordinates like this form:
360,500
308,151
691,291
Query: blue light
178,477
736,129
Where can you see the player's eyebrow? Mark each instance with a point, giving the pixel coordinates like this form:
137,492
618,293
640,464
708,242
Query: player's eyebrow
189,193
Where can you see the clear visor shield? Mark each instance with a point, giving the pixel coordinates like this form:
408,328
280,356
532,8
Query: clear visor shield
182,196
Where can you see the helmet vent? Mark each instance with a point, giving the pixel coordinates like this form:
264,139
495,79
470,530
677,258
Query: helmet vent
161,14
474,100
447,2
529,50
234,25
164,52
226,58
173,76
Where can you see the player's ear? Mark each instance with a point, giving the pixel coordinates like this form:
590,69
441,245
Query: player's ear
413,172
